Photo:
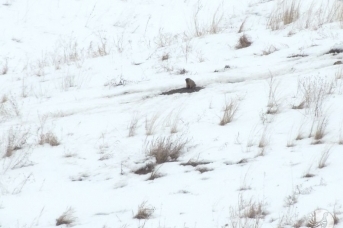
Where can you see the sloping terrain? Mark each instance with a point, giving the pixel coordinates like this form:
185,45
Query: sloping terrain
90,138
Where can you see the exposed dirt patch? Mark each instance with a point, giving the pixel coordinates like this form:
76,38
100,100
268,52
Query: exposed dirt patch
297,56
147,168
334,51
195,163
182,90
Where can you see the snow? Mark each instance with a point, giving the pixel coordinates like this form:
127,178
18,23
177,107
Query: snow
83,71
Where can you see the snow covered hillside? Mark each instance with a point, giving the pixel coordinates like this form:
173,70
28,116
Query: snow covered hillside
88,140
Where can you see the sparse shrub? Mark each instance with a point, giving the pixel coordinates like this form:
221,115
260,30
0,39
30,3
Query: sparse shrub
255,210
290,219
291,200
9,106
165,39
101,48
166,149
144,211
243,42
230,110
248,213
49,138
314,91
299,222
67,218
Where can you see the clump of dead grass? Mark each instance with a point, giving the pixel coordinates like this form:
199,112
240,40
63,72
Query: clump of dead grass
67,218
144,211
243,42
49,138
16,140
230,110
166,149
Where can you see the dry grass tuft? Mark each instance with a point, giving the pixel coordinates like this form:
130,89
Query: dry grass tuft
49,138
242,161
241,28
314,91
301,105
4,69
271,49
321,128
155,174
144,211
248,213
291,200
150,124
166,149
165,57
323,158
336,213
16,140
339,73
133,126
308,173
67,218
230,110
182,71
4,99
283,14
243,42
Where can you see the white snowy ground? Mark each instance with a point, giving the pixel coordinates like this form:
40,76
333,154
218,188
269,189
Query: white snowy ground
82,71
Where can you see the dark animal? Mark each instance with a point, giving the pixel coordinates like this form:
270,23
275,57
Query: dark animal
190,84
